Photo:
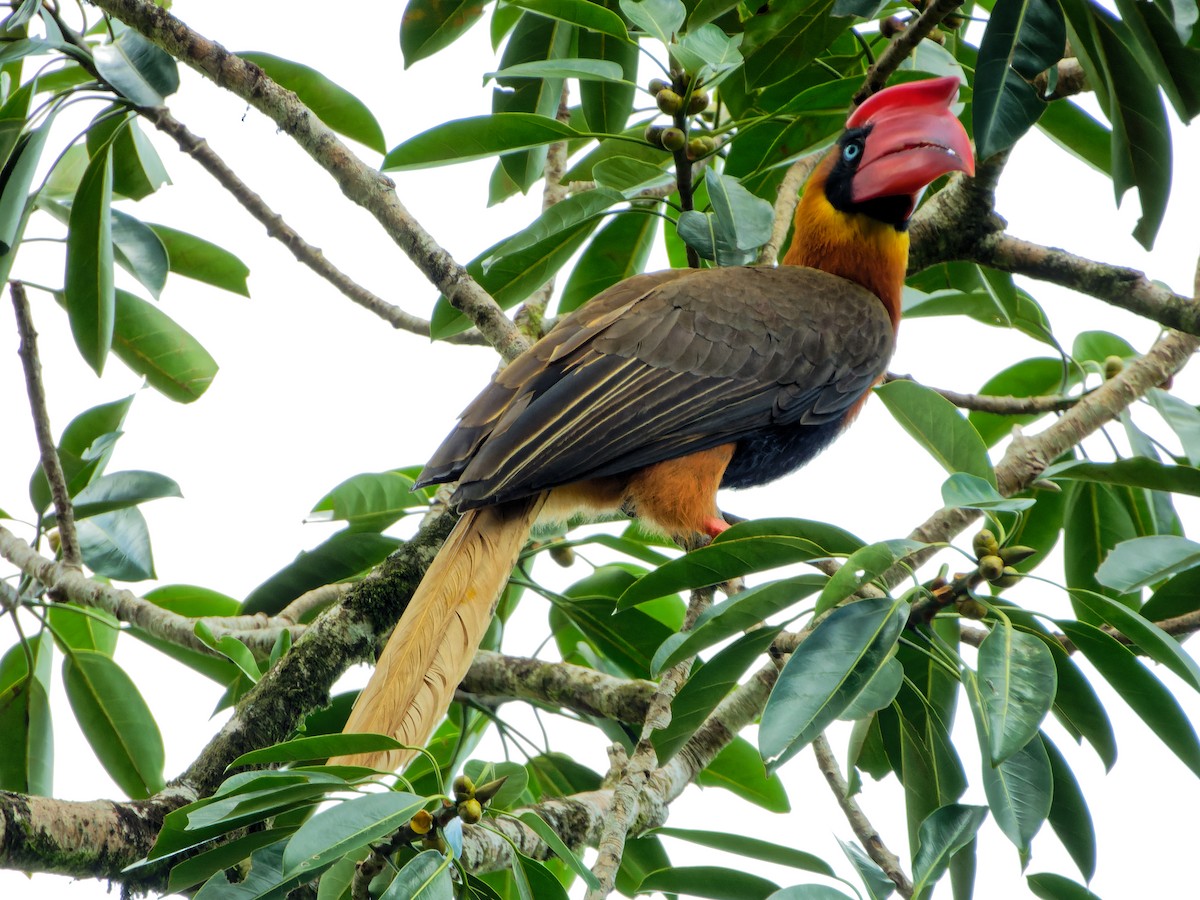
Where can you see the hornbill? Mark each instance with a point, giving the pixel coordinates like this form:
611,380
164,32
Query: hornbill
668,386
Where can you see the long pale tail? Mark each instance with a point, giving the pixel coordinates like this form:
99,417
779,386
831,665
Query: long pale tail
432,646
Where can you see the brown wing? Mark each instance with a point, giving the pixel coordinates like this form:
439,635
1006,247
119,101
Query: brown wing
663,365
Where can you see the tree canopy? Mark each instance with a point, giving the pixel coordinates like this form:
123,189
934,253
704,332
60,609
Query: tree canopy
957,609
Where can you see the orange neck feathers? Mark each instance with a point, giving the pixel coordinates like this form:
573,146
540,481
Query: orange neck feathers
851,245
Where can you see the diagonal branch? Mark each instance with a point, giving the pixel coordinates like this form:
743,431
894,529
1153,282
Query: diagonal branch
902,45
198,149
359,182
51,464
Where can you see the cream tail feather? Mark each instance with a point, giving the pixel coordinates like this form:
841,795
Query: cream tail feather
435,640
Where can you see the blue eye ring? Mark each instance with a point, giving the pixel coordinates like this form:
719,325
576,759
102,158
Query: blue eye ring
852,151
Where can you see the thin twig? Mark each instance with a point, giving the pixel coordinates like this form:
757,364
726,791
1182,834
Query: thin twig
785,205
1000,405
902,45
63,510
199,149
867,833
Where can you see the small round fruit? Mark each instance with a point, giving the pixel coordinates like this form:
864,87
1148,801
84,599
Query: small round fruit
700,146
991,567
464,787
985,544
470,811
669,102
698,103
971,608
1010,577
1113,366
657,86
653,135
673,139
421,822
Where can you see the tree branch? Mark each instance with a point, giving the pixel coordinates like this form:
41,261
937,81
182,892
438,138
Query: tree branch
902,45
51,464
359,182
198,149
1000,405
785,206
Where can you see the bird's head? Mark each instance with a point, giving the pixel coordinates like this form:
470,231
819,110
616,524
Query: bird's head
896,143
852,218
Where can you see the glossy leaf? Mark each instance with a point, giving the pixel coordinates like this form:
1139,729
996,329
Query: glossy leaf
877,693
117,544
744,216
563,216
1075,131
739,769
749,848
707,687
1142,561
1096,521
90,293
159,349
140,71
194,257
116,722
1137,471
606,105
231,648
80,628
190,600
1140,688
204,865
826,672
341,556
119,491
138,170
1019,792
711,238
27,751
935,423
1017,684
1036,377
963,491
479,137
709,881
808,892
1069,814
371,501
876,881
432,25
618,251
84,449
583,13
788,37
734,615
946,831
424,877
1080,711
1050,886
863,566
516,779
1183,418
346,826
331,103
1178,596
265,878
660,19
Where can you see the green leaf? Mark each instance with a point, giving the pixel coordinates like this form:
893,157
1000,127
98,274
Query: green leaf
712,238
84,449
708,881
117,545
583,13
963,491
90,294
879,886
744,216
432,25
1183,418
1017,684
707,687
826,672
347,826
516,779
1079,709
1049,886
137,169
582,69
606,105
864,565
739,769
192,601
224,856
629,175
1141,561
138,250
341,556
808,892
27,751
550,837
1138,687
477,137
566,215
1069,815
81,628
119,491
159,349
658,18
750,848
1038,377
264,878
1146,636
371,501
618,251
116,722
742,612
194,257
424,877
787,38
331,103
1018,790
935,423
943,833
1178,596
237,652
1075,131
140,71
708,54
1139,472
1096,521
877,693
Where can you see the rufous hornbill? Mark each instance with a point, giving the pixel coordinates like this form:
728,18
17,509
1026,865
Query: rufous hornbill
667,386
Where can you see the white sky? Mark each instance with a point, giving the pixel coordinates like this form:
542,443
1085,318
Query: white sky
312,390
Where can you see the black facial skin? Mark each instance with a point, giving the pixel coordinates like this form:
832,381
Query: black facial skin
892,211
